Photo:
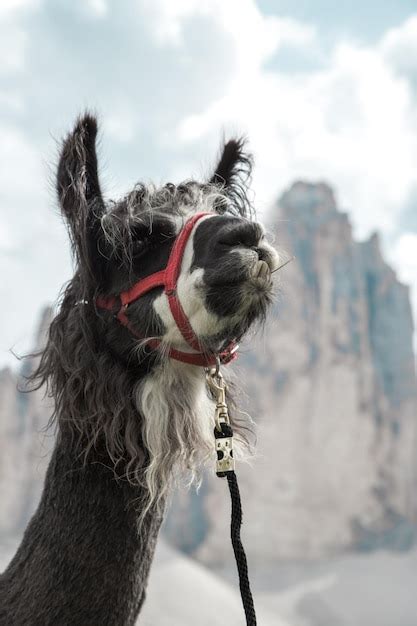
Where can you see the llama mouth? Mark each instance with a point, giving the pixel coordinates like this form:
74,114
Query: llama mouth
261,273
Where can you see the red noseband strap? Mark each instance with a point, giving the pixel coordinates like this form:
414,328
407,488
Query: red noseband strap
168,278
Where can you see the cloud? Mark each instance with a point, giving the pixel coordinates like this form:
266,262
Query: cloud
11,7
98,7
255,35
399,48
20,192
404,256
12,49
350,122
167,78
34,256
405,253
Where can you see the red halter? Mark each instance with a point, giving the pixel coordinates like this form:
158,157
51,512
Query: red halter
168,279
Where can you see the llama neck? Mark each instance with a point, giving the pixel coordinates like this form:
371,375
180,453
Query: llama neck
81,560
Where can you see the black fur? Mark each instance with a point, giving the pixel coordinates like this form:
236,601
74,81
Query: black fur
82,560
233,173
80,196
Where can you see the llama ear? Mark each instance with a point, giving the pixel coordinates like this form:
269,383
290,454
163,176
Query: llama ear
79,192
233,172
234,163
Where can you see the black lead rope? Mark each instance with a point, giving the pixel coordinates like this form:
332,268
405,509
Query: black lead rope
240,556
225,464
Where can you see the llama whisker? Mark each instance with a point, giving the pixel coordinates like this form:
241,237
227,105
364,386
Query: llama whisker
283,265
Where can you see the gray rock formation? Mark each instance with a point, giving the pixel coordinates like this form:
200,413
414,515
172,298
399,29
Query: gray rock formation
24,444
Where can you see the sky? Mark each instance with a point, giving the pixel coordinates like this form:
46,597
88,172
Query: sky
323,91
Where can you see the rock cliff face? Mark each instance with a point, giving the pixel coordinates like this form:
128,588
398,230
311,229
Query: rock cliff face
331,383
24,444
339,398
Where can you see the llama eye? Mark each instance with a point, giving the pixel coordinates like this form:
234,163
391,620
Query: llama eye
139,247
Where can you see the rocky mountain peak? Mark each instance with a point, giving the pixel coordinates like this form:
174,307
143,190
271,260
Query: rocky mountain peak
308,202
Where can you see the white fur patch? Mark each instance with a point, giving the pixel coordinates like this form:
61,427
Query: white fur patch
191,297
178,424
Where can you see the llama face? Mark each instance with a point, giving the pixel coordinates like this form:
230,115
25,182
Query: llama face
225,280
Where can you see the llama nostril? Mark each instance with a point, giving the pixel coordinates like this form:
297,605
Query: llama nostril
262,254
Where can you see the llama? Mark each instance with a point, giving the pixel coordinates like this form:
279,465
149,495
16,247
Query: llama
132,408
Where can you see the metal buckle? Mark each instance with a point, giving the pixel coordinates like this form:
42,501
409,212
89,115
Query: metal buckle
223,432
218,387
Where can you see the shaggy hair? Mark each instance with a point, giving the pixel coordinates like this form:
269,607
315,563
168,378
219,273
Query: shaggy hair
152,416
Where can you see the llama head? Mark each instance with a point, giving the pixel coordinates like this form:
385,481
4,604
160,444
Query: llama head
225,278
113,393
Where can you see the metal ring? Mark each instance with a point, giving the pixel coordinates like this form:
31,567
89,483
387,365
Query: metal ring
217,371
